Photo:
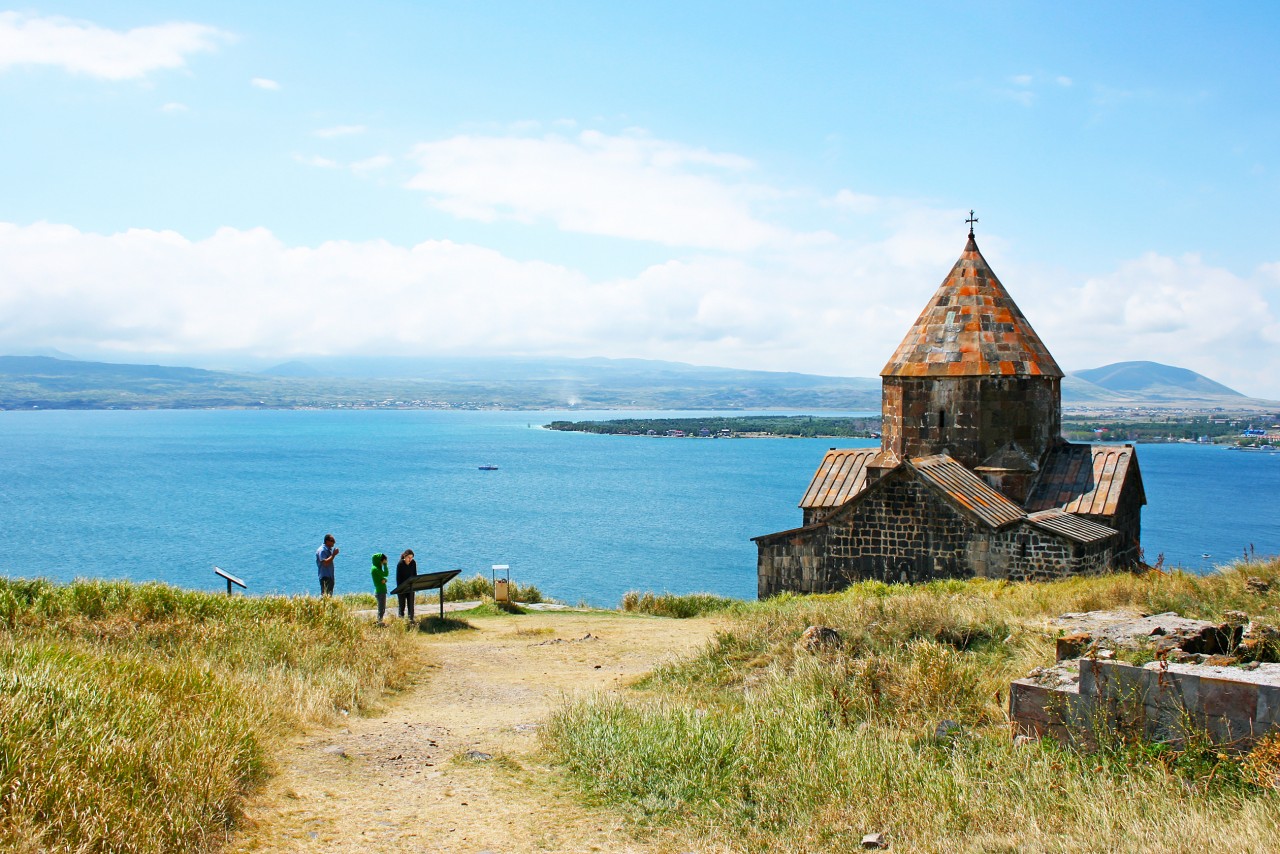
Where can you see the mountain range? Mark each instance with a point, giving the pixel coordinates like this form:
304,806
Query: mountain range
48,381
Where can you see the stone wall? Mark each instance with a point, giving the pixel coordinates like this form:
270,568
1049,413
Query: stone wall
795,562
902,531
1167,703
1024,552
969,418
1128,521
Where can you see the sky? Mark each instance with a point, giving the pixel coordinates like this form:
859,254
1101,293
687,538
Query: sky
774,186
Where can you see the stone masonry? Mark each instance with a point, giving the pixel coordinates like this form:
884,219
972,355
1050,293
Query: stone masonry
973,477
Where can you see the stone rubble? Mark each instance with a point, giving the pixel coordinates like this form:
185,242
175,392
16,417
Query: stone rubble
1196,682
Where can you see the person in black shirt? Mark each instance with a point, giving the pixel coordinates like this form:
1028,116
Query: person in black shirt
407,568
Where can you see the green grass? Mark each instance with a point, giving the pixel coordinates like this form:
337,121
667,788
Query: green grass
492,609
480,586
437,625
137,717
680,607
762,746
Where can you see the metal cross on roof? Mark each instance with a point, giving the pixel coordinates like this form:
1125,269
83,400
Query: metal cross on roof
971,220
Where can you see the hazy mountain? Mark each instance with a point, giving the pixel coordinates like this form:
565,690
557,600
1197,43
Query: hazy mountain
622,372
50,352
1077,390
29,381
55,369
47,382
1154,381
293,369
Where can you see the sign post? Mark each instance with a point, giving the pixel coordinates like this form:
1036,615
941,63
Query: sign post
231,579
427,581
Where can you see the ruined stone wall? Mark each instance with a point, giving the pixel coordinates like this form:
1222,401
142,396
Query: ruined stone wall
970,417
1167,702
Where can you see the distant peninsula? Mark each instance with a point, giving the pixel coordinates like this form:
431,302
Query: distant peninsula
750,426
1242,429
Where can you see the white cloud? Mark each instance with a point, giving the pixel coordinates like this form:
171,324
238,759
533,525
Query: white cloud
174,107
264,83
340,130
835,307
1063,80
244,291
1021,79
360,167
858,203
82,47
369,164
316,160
629,185
1179,311
828,307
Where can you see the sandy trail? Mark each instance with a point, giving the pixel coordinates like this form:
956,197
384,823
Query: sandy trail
402,780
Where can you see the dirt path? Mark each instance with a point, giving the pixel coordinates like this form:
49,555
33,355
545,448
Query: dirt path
416,777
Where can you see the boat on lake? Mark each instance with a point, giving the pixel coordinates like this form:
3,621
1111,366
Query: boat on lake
488,468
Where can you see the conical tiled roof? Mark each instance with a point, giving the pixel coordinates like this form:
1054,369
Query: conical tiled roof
971,327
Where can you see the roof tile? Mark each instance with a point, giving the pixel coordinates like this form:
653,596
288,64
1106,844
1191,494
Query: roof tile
1084,479
840,478
1071,526
973,300
967,489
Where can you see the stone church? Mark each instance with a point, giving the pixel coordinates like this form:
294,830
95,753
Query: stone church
972,477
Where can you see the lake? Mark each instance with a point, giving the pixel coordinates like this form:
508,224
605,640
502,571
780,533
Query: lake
166,495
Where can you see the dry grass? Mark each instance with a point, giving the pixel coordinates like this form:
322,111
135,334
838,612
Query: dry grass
137,717
776,749
671,605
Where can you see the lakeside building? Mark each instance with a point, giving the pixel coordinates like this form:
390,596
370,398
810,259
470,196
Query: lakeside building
972,477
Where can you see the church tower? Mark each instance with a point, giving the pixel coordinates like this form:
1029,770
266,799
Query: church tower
972,380
972,477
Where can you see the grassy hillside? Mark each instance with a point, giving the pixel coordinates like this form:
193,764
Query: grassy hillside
137,717
764,746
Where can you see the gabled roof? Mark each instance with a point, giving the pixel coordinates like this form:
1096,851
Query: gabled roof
968,490
841,476
1086,479
1071,526
843,473
971,327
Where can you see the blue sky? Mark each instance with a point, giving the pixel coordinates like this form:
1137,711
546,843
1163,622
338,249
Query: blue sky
745,184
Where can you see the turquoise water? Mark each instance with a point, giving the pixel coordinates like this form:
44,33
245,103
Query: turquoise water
167,495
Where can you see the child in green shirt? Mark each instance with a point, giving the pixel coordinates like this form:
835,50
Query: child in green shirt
380,583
